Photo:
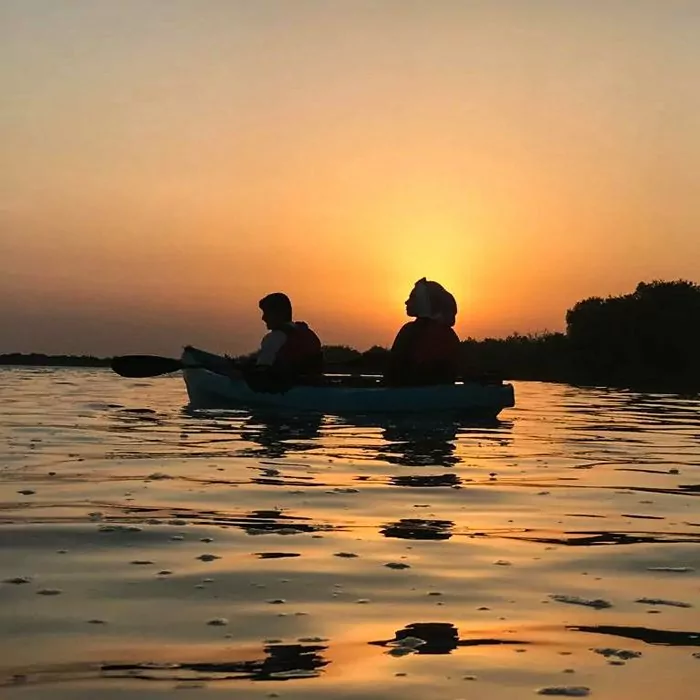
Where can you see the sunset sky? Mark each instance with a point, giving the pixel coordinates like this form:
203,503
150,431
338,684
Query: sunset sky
165,163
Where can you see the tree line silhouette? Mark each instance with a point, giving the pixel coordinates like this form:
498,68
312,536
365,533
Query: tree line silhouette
649,338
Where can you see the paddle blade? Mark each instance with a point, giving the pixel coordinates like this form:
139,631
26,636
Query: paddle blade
144,365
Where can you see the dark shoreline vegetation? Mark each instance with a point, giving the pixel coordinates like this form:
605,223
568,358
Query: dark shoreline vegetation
648,340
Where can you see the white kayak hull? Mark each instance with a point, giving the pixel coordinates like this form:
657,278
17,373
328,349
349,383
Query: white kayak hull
207,389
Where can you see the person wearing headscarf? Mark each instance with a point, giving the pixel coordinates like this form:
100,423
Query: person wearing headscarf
426,350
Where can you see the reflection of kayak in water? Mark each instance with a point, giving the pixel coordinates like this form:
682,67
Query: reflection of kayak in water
207,389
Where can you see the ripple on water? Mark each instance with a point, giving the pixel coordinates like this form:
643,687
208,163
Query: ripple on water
421,552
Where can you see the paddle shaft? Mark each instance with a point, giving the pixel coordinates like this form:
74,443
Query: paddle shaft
140,366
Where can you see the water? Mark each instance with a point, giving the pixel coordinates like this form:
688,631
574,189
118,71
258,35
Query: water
145,549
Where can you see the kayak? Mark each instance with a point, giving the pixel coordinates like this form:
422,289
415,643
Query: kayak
209,389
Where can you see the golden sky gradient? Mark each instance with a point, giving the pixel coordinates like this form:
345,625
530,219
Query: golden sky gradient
165,163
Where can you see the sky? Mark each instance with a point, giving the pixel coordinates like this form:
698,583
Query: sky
166,163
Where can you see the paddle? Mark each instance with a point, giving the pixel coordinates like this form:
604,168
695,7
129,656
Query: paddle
138,366
141,366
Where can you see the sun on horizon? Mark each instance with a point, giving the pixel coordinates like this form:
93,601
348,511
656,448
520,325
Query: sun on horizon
165,165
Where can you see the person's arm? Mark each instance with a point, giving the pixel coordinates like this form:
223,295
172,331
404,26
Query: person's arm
261,375
221,365
269,347
457,362
400,366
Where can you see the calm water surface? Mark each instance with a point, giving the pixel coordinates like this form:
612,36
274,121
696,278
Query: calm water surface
145,548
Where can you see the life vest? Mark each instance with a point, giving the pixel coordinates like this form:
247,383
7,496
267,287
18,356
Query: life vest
425,352
435,344
301,353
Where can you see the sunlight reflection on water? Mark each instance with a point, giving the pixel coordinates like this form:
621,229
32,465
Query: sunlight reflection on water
202,548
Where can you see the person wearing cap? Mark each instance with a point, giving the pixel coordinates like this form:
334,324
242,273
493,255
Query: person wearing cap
426,350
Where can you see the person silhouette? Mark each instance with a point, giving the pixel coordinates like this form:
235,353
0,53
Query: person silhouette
426,350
